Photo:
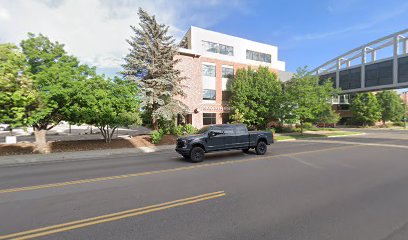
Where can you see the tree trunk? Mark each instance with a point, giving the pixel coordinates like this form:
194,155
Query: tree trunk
41,141
155,124
301,128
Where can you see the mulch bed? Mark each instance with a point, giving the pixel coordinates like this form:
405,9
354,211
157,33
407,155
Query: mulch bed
84,145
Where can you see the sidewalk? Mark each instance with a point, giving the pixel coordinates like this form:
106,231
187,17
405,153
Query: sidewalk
79,155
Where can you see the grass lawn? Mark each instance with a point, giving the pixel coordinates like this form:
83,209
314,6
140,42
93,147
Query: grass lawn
311,135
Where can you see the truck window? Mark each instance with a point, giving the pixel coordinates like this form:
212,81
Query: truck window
228,130
241,130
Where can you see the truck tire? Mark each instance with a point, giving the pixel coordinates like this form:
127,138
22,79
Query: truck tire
197,155
261,148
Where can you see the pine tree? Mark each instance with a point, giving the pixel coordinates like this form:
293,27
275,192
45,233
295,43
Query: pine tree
151,64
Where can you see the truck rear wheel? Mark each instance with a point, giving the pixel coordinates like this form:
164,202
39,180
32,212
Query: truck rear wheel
261,148
197,155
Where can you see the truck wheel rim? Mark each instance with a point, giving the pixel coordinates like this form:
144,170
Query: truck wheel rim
197,155
262,148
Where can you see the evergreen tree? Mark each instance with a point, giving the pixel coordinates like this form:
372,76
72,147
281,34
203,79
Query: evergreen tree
392,108
151,64
365,108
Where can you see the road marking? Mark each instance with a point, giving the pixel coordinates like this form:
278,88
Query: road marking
205,165
363,144
304,162
110,217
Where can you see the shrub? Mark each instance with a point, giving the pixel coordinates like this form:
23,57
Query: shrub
398,124
308,125
189,129
177,130
285,129
157,136
271,130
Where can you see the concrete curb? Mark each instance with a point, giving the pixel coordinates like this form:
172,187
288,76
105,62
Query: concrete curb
342,135
79,155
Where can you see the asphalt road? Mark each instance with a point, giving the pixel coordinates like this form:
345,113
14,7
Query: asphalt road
339,188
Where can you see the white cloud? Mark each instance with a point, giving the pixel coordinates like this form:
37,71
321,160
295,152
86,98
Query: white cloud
96,30
3,14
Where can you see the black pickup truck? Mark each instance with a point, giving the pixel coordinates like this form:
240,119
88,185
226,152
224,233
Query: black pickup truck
222,137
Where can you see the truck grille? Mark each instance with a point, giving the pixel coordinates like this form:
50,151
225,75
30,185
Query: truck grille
180,144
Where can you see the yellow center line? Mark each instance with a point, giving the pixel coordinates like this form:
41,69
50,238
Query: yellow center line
92,180
110,217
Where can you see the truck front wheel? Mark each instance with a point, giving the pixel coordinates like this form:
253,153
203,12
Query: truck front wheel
197,155
261,148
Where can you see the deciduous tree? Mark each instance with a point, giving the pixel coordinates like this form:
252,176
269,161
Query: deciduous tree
392,108
17,96
307,96
365,108
256,96
107,104
56,78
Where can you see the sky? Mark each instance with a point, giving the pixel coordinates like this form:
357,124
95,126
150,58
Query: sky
307,33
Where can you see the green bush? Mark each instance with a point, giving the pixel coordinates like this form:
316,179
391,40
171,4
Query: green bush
308,125
157,136
177,130
189,129
286,129
398,124
271,130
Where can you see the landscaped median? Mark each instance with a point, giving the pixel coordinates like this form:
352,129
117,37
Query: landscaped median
313,134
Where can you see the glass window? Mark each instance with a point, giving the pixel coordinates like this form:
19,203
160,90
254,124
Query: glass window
204,129
209,118
210,47
218,48
268,58
227,72
230,51
241,129
228,129
208,70
223,49
209,94
257,56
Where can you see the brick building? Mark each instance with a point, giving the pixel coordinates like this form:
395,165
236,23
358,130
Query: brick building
208,60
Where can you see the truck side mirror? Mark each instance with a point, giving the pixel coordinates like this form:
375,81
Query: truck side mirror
211,134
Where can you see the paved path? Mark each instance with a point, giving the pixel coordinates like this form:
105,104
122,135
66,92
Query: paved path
341,188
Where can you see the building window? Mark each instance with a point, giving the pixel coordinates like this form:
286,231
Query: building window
218,48
209,94
227,72
208,70
209,118
188,119
257,56
226,95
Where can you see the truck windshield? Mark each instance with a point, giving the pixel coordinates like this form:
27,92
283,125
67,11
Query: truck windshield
203,129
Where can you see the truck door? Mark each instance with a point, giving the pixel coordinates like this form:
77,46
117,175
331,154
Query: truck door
216,142
229,133
241,136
